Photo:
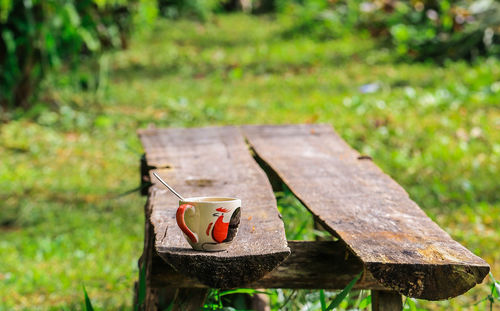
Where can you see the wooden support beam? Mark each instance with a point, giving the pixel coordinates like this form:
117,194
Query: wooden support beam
259,302
386,301
311,265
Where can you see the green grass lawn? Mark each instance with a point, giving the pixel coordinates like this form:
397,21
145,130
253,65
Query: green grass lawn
436,130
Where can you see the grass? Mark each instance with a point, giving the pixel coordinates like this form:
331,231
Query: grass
436,130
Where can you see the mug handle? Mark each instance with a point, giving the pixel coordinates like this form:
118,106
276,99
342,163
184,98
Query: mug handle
182,224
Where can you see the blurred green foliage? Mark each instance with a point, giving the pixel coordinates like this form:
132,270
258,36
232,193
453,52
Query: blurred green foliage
68,153
437,30
196,9
318,18
37,36
434,129
418,29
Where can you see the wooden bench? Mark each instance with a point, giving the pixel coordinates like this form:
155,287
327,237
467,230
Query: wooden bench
380,230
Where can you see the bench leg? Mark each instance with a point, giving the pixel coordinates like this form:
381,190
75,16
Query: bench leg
189,299
386,301
158,298
255,302
259,302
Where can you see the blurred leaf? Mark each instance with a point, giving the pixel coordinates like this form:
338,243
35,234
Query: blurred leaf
236,73
400,32
88,304
243,291
170,307
73,16
141,291
411,305
90,41
8,38
302,227
322,299
5,7
103,121
343,294
365,302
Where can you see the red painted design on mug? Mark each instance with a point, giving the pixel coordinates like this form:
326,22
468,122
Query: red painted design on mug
208,228
221,209
182,224
219,232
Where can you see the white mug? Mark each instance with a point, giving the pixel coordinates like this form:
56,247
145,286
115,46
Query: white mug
209,223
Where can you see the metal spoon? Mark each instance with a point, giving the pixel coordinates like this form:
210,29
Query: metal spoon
169,188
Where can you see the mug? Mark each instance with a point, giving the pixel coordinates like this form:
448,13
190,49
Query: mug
209,223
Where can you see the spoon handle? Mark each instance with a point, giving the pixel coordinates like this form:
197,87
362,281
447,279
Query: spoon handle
169,188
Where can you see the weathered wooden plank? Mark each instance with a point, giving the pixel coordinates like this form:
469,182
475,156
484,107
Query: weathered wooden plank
386,301
353,199
311,265
214,162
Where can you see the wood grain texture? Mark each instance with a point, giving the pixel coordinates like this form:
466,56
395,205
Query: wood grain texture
353,199
311,265
213,162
